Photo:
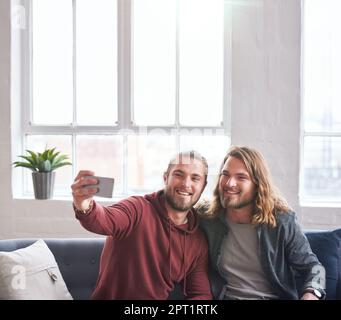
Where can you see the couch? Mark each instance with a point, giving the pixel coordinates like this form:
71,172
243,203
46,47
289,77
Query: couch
78,261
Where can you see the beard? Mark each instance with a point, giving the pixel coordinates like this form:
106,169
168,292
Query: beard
238,203
178,204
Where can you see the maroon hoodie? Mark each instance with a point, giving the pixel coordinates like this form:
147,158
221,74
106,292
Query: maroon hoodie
145,253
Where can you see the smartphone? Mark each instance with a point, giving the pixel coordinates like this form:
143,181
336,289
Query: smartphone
105,186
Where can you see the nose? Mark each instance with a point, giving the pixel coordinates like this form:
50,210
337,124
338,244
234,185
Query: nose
231,182
186,182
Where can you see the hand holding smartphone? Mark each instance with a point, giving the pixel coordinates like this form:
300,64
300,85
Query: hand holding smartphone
105,186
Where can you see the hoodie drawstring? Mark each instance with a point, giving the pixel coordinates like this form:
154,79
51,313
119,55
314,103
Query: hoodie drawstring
170,251
185,274
183,256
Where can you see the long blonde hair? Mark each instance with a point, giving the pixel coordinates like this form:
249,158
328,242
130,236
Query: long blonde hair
268,199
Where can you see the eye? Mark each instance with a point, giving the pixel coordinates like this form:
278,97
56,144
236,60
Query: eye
177,174
243,178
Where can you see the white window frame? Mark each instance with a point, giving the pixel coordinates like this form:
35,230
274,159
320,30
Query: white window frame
304,200
22,109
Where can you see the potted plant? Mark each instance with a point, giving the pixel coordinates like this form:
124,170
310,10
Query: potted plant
43,166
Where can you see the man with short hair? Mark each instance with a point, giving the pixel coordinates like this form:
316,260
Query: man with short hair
153,242
255,242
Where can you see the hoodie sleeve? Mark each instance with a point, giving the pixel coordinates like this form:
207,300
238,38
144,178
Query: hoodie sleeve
196,285
118,220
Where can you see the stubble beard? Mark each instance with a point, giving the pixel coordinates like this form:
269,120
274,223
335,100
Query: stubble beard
179,205
229,203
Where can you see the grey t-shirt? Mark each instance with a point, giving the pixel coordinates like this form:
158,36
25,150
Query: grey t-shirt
240,264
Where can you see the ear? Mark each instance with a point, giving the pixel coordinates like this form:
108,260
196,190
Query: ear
165,177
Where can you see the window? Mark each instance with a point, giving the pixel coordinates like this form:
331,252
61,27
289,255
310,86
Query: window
321,157
122,85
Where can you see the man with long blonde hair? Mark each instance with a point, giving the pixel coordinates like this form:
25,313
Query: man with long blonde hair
255,242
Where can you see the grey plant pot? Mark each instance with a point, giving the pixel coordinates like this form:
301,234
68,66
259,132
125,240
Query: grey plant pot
43,184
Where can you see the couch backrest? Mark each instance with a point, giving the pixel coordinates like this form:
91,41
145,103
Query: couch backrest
78,260
327,247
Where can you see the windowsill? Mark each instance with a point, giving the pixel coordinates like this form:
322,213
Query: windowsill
69,199
309,204
303,204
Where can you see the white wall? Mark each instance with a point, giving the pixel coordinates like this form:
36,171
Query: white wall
24,218
266,95
265,114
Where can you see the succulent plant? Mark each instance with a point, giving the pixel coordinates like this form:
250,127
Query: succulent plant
46,161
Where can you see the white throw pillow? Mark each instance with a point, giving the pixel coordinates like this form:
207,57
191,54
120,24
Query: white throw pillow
31,273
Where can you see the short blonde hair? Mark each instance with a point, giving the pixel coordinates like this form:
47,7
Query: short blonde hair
178,159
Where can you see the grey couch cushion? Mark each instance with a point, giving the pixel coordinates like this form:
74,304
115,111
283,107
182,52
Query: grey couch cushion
78,261
31,273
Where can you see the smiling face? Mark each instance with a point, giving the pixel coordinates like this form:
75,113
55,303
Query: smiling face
184,184
236,189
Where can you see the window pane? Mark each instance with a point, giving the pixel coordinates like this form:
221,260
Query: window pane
148,158
154,62
96,70
322,65
52,62
103,155
201,62
213,148
322,168
63,180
